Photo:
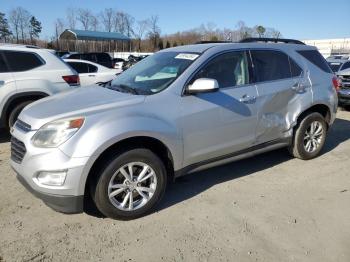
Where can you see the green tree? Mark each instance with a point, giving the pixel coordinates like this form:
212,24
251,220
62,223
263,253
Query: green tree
260,30
4,27
175,44
34,28
167,44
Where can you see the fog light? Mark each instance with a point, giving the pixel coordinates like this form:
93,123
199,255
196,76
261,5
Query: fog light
52,178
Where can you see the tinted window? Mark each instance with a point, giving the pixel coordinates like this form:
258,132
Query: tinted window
294,68
92,68
103,57
229,69
345,66
81,68
270,65
3,67
22,61
334,66
317,59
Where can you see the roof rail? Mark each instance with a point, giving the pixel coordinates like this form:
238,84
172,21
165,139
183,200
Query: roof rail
212,42
273,40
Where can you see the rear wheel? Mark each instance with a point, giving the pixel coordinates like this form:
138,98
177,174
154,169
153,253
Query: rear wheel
13,115
131,185
309,137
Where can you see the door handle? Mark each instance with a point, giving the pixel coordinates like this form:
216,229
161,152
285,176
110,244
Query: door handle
299,87
247,99
92,75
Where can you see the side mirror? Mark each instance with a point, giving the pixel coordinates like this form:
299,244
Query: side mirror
203,85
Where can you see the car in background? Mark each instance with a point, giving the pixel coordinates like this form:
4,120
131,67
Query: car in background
29,73
341,57
338,64
344,88
98,58
91,73
118,63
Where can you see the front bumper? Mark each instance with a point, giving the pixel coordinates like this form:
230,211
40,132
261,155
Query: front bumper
67,198
64,204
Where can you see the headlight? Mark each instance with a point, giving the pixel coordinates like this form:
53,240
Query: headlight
56,133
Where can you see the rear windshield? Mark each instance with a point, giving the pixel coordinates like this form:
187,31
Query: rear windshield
317,59
334,66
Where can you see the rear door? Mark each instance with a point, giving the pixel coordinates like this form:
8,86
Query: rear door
7,82
282,86
87,73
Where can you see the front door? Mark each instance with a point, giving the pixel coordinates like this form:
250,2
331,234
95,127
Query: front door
220,123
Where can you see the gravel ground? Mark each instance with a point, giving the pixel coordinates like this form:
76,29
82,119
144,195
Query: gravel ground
267,208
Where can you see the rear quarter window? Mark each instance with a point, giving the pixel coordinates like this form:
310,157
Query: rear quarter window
316,58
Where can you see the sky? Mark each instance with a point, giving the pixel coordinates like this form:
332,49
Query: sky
300,19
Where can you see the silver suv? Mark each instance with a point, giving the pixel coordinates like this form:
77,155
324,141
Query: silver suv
178,111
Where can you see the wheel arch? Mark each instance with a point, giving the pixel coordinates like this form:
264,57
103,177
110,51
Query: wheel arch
17,99
151,143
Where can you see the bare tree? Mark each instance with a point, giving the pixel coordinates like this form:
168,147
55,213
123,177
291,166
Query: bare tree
94,22
71,18
14,19
123,23
140,29
59,28
107,19
84,17
19,20
154,30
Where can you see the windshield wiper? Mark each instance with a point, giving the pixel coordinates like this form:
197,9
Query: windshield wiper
124,89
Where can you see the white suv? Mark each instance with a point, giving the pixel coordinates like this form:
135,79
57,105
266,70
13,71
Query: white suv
28,73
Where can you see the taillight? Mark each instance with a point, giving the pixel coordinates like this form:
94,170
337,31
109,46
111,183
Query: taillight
72,80
336,83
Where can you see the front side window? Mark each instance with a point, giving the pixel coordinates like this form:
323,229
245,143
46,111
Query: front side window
270,65
154,73
229,69
22,61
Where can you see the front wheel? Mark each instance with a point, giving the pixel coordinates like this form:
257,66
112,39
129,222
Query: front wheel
309,137
131,185
13,115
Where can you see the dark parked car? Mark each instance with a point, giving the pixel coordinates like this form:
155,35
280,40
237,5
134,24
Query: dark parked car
98,58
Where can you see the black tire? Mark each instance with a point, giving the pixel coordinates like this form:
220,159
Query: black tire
297,148
100,185
13,115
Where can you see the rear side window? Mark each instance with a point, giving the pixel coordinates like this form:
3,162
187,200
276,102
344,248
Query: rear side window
81,68
3,66
295,69
270,65
316,58
92,68
229,69
22,61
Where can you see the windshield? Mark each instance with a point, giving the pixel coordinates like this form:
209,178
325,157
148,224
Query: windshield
154,73
334,66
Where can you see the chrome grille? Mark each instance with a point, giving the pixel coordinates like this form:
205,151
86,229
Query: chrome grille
18,150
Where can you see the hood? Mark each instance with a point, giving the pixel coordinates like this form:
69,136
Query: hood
79,102
345,72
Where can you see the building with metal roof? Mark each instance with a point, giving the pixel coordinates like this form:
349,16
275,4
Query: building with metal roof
70,34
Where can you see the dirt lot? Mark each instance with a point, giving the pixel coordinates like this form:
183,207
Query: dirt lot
268,208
